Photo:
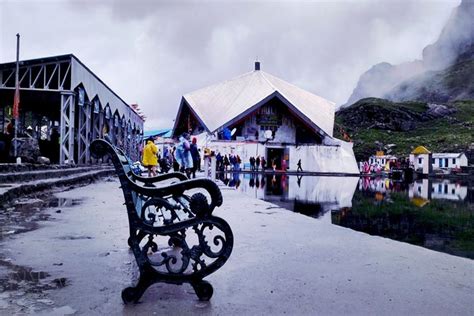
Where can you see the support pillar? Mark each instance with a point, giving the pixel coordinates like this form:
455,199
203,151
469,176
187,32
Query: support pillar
84,132
66,148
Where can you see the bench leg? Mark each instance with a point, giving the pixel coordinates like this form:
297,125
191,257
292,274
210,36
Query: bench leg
133,294
203,289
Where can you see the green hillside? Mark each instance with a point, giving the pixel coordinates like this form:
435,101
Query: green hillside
373,123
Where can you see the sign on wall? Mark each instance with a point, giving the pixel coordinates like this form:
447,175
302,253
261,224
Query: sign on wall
269,119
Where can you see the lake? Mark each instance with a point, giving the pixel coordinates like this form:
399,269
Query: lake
436,214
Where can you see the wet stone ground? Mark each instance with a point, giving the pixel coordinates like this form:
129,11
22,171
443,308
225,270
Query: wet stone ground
70,256
23,289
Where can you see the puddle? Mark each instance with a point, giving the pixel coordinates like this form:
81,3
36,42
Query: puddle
63,202
266,213
74,237
22,216
25,278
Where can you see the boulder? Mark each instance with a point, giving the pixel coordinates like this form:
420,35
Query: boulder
44,160
27,148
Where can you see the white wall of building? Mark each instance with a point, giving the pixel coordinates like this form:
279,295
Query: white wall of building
315,158
452,162
458,162
320,158
421,161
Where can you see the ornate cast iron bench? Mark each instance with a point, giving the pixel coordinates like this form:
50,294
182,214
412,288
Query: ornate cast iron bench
173,234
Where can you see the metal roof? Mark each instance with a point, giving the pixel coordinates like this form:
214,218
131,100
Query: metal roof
94,86
164,132
447,155
221,103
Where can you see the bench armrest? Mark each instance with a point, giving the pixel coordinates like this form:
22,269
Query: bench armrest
180,187
172,175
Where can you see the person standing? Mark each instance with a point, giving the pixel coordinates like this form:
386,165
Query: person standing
195,155
174,161
264,163
150,160
226,162
299,166
238,161
183,155
252,163
219,161
257,163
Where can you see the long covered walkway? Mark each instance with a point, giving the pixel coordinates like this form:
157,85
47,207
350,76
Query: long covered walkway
64,105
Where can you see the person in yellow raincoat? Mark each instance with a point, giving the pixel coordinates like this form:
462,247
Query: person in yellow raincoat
150,160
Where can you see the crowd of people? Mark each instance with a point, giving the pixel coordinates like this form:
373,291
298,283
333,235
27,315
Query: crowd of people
228,162
367,167
255,163
184,157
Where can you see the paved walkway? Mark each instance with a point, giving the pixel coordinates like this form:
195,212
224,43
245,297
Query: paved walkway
282,263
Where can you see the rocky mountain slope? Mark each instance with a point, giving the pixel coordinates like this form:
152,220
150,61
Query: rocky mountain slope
453,83
397,128
381,78
444,74
428,102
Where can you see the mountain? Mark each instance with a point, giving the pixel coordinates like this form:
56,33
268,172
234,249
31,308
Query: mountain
398,127
453,83
444,74
382,77
456,40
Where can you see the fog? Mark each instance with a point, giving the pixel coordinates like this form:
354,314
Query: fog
153,52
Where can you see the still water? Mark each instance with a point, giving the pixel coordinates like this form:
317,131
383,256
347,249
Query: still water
435,214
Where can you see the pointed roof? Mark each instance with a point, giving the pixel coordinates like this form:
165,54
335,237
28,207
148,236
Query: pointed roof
420,150
222,103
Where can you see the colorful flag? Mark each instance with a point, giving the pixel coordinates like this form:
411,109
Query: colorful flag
16,103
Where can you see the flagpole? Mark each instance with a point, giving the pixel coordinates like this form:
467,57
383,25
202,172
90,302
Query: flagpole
17,91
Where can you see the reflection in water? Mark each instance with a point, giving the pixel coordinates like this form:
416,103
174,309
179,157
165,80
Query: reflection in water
441,189
425,188
436,214
312,196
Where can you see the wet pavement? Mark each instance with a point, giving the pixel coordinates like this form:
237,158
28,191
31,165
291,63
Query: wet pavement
71,257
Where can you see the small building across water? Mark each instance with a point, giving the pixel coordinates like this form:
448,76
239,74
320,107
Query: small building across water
422,159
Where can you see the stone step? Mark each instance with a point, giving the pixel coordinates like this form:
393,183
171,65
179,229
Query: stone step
13,167
11,191
25,176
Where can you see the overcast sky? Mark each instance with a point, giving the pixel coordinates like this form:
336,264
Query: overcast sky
153,52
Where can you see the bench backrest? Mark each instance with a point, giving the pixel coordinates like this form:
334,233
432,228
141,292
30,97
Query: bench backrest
133,201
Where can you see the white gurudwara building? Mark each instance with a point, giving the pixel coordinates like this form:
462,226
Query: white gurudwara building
257,114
